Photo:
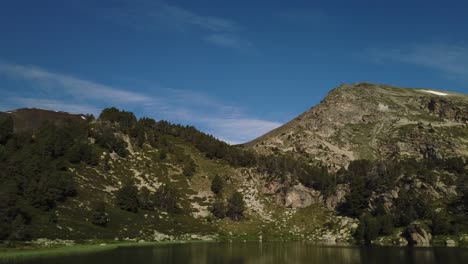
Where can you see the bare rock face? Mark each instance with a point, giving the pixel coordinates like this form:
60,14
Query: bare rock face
337,198
418,235
301,197
372,121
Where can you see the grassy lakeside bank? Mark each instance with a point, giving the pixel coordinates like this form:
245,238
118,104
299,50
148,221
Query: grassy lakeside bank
32,252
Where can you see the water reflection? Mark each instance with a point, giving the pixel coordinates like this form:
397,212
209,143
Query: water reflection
267,252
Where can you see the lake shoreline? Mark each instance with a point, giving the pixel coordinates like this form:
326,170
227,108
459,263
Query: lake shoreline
24,251
27,251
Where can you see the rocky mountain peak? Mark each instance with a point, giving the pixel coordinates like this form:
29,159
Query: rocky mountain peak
372,121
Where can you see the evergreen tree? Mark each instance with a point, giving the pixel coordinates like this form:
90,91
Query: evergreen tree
368,229
441,224
219,208
189,167
19,230
217,185
100,216
146,199
6,129
166,198
127,197
236,206
386,224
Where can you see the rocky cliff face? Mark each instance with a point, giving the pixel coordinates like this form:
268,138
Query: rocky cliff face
370,121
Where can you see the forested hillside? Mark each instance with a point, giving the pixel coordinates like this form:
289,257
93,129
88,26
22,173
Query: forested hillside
78,177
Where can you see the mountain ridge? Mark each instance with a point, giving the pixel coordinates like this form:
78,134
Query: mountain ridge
362,104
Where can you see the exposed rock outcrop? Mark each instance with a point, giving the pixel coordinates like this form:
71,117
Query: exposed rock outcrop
300,196
372,121
418,234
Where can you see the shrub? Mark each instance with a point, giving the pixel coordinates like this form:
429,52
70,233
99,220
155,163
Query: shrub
217,185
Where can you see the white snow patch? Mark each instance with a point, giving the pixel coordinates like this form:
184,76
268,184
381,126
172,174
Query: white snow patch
434,92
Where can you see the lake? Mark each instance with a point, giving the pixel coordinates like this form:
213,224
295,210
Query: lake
258,253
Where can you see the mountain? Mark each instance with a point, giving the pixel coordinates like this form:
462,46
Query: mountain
369,164
371,121
32,118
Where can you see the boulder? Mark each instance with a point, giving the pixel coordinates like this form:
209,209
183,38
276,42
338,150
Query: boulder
338,197
450,243
300,196
418,234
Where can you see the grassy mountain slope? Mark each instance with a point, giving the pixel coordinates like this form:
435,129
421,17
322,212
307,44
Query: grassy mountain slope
150,164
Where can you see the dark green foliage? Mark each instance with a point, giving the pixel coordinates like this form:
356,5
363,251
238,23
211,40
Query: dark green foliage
123,119
455,165
411,206
127,198
146,199
369,228
35,172
235,206
82,152
6,129
107,139
49,189
317,178
143,132
189,167
219,209
166,198
441,224
19,229
100,216
217,185
207,144
162,154
386,224
357,200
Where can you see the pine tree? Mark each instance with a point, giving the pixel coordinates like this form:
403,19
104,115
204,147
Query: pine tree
127,197
219,208
6,129
100,216
189,167
217,185
236,206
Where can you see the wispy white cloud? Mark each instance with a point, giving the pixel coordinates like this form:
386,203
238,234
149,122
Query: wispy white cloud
149,15
240,130
76,87
229,41
449,60
175,15
64,92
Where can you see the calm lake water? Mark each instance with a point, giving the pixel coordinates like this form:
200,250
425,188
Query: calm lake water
258,253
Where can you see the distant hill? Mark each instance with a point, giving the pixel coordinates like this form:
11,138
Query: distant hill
33,118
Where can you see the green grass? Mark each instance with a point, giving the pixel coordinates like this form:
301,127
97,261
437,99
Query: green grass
25,252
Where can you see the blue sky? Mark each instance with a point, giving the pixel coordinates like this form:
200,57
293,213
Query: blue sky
235,69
